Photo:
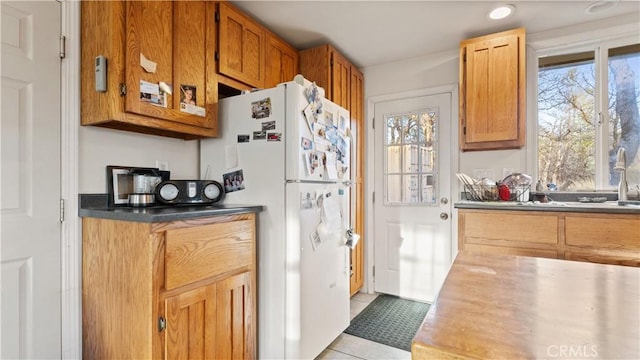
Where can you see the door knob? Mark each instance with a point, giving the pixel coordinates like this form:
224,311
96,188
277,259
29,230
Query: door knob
444,216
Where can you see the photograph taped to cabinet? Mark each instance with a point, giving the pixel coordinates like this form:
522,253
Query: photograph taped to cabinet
188,101
151,93
188,94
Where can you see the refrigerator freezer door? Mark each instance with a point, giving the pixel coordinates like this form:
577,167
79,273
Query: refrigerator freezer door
318,144
317,267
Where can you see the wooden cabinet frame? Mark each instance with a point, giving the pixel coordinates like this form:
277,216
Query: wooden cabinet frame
492,88
181,42
241,44
129,311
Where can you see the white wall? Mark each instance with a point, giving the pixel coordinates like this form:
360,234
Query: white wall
99,147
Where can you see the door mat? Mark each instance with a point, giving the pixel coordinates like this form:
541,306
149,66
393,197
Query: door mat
389,320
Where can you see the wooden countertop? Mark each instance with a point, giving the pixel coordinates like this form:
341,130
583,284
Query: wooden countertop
513,307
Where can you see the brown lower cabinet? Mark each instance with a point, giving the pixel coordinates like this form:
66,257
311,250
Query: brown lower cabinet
594,237
172,290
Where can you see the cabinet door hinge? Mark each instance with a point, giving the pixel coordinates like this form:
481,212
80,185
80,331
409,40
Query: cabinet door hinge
374,271
217,17
63,47
464,130
373,123
373,197
217,56
123,89
162,323
61,210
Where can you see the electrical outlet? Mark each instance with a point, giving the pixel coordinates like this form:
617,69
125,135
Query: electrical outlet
162,165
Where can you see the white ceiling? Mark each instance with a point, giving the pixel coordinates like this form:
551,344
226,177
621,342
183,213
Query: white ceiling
375,32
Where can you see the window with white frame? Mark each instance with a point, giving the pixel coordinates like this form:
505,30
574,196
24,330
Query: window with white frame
588,102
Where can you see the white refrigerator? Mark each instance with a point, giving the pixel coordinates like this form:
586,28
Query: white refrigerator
289,149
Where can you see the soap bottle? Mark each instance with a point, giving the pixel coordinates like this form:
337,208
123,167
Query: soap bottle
539,186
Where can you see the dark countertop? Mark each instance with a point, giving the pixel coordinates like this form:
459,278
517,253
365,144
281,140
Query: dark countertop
95,205
608,207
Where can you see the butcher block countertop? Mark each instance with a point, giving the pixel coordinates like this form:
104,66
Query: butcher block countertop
513,307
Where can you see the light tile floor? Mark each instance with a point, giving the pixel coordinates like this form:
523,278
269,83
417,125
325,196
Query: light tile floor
352,347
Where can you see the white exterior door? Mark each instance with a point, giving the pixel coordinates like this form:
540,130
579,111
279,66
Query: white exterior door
29,201
412,207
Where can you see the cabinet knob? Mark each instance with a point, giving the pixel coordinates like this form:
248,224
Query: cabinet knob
162,324
444,216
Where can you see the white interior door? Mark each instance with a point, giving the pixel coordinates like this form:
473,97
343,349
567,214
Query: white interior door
412,207
30,197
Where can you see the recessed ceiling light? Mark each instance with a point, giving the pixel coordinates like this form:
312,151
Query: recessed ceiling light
600,6
502,12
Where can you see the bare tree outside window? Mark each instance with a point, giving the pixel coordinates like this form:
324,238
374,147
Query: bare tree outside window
624,117
568,119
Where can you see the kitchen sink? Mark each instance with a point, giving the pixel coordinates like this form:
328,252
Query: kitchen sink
578,204
629,202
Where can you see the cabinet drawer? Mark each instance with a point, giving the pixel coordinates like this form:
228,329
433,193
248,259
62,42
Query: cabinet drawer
501,226
197,253
621,232
506,250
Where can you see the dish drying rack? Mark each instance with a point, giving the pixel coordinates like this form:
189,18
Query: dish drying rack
479,192
476,190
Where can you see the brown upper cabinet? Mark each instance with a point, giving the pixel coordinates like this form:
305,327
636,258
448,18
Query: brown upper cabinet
241,51
281,62
328,69
492,91
177,39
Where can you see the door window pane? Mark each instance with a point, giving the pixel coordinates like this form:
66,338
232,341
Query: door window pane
410,161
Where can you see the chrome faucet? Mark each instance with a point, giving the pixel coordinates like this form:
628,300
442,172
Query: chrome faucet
621,165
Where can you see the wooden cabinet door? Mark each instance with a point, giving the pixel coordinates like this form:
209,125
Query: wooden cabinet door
356,110
191,324
236,317
178,38
492,91
599,238
340,77
281,62
508,232
241,41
